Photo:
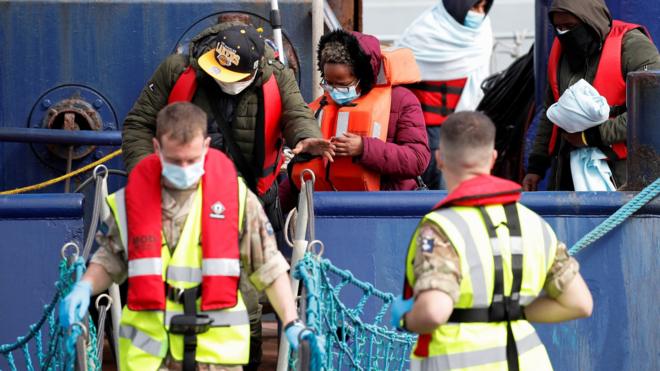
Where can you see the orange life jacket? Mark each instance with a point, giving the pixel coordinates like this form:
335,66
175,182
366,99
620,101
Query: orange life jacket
146,289
438,98
184,89
609,80
367,116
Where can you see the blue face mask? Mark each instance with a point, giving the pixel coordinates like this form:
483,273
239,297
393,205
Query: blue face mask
474,19
344,97
182,177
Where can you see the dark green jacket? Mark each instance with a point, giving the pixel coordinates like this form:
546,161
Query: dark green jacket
140,125
638,53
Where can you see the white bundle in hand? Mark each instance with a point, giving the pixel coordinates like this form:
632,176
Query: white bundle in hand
579,108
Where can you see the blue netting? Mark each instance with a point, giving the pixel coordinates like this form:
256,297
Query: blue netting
350,342
60,349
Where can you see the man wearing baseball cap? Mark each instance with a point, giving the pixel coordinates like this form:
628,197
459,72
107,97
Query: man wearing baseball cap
254,107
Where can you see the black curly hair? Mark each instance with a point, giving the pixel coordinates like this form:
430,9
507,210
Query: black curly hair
341,47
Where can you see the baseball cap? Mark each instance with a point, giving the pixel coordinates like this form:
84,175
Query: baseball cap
236,54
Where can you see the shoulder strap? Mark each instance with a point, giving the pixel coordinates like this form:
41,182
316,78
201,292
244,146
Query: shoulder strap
185,87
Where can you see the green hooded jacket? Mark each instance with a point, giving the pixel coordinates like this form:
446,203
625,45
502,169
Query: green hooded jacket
139,128
638,53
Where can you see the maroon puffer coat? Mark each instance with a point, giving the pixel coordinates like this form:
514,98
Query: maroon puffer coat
406,153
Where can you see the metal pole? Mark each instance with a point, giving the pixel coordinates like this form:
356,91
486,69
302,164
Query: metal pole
643,161
317,32
299,247
276,23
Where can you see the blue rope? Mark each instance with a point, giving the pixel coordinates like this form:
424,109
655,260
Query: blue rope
60,355
350,342
614,220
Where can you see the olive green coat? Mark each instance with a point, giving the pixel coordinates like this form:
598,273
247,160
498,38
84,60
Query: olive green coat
638,53
140,125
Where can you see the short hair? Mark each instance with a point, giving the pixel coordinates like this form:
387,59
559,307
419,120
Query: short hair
467,139
181,122
335,52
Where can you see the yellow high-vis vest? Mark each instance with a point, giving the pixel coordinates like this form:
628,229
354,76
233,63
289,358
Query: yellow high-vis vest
144,340
505,253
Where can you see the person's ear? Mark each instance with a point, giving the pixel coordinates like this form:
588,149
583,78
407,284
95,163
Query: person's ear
493,158
156,145
439,161
207,144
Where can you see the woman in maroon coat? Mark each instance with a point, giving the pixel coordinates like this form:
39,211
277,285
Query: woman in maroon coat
352,60
349,64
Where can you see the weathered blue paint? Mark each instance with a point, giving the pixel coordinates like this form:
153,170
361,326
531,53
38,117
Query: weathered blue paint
369,235
107,47
33,230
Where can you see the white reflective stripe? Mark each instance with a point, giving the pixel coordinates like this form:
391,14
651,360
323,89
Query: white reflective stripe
342,123
184,274
516,245
479,293
142,341
547,240
120,206
221,267
526,299
473,358
145,267
221,318
495,246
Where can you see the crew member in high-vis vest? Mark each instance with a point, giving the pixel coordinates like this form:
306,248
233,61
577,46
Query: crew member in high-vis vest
481,266
254,107
186,232
588,45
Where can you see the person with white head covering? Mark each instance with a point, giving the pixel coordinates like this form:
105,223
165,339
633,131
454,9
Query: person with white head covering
452,43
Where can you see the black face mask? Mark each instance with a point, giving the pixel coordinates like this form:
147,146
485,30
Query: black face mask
578,44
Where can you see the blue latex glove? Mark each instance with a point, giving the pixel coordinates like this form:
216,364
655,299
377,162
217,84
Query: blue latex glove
399,308
316,342
76,304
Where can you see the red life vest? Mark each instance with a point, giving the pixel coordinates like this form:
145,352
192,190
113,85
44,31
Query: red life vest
184,90
438,98
609,80
479,191
219,236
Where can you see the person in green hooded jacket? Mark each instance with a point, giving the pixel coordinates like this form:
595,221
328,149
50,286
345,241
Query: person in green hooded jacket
589,40
230,65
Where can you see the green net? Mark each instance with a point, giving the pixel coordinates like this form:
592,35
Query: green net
351,342
48,346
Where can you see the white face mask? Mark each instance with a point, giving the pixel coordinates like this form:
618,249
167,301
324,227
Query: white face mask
234,88
182,177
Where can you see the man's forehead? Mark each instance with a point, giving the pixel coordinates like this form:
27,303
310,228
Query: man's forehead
564,17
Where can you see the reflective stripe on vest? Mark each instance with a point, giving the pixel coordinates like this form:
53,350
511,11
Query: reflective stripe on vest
474,358
609,81
465,228
145,267
220,318
143,341
227,342
184,90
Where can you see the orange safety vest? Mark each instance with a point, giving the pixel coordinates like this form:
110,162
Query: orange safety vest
146,288
367,116
609,80
183,91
